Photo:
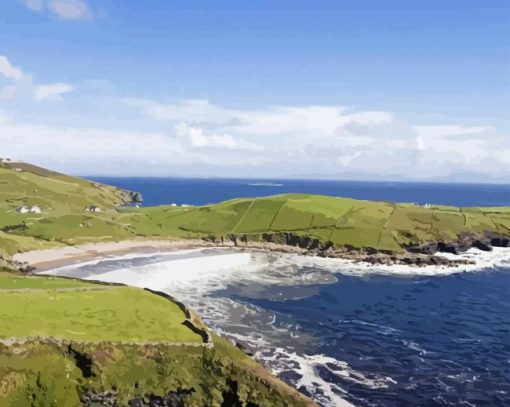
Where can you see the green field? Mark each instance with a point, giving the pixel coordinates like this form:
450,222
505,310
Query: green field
342,222
61,337
135,341
93,314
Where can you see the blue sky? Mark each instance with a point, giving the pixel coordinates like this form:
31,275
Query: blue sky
374,88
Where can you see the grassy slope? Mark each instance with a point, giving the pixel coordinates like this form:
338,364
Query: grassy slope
76,310
62,200
103,324
342,221
97,317
135,340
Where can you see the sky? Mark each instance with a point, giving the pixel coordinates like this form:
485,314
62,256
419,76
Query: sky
364,89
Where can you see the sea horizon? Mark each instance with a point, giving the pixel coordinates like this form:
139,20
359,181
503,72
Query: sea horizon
203,191
290,178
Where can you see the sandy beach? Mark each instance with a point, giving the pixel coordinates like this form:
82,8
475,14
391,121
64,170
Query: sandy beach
62,256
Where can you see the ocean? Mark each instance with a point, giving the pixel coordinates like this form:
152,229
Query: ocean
160,191
343,333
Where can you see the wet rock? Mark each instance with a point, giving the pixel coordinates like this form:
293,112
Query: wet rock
500,242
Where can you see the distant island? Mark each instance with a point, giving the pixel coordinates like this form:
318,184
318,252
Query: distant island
159,351
265,184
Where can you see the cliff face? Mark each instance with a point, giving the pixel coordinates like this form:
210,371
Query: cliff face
78,343
129,197
107,374
416,255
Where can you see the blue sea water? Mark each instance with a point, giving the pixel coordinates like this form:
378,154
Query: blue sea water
339,332
159,191
370,338
422,341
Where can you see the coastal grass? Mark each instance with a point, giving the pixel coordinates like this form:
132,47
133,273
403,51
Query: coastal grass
340,222
18,281
26,184
102,314
61,338
39,373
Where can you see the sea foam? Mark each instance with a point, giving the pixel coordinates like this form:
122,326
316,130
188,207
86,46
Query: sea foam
194,275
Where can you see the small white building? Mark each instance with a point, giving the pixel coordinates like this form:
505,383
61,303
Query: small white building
29,209
174,204
23,209
92,208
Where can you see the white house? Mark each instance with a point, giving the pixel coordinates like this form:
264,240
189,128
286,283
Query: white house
23,209
92,208
29,209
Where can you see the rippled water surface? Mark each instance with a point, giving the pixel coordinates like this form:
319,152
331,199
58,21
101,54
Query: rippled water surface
342,333
159,191
407,341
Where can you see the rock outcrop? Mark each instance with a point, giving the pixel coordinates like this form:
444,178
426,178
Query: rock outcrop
416,255
130,197
108,398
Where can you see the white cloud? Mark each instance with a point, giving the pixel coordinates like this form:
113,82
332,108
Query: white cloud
8,70
70,9
449,130
197,137
52,91
328,140
22,84
34,5
63,9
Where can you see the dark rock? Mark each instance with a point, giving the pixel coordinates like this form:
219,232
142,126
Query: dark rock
136,197
243,348
484,245
82,362
500,242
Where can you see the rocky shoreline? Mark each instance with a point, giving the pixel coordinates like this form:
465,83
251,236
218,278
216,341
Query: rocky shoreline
416,255
419,255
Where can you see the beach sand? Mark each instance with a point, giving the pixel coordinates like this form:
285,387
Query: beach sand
61,256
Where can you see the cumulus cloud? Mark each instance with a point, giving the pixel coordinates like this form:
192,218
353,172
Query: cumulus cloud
22,84
34,5
53,91
8,70
63,9
330,140
449,130
198,137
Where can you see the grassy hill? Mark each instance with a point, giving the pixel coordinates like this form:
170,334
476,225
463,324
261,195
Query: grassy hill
341,223
26,184
59,197
65,342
